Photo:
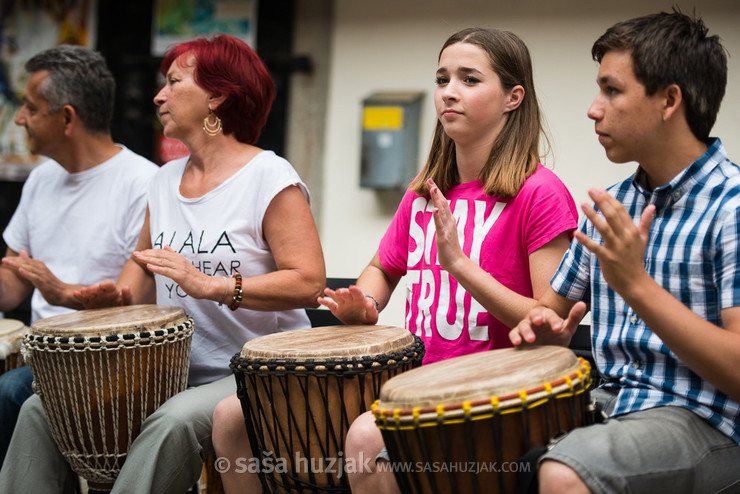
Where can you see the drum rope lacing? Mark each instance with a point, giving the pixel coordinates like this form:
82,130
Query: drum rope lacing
307,380
88,361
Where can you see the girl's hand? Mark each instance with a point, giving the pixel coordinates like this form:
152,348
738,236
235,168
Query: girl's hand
449,251
350,305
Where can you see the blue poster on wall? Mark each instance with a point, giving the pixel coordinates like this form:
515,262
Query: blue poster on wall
180,20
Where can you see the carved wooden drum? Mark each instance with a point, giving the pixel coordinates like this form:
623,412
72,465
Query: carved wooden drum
301,390
100,373
462,425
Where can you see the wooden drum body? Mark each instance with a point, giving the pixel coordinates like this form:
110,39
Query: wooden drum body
11,335
100,373
301,390
484,411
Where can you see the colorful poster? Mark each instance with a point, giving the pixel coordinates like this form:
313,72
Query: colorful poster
180,20
25,29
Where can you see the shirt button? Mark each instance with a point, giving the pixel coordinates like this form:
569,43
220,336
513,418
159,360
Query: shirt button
633,319
676,194
635,365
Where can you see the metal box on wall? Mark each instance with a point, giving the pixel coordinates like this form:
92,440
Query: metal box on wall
390,139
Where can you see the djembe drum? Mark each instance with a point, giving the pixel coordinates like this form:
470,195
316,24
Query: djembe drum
11,334
301,390
100,373
467,432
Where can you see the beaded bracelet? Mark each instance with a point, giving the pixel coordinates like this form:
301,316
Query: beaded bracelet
237,300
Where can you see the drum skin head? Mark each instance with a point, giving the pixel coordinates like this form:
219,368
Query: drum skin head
329,342
110,321
477,376
11,329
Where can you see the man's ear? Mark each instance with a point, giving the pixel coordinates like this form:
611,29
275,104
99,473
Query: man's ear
673,97
69,117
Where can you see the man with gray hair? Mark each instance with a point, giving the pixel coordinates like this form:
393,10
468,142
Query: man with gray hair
80,212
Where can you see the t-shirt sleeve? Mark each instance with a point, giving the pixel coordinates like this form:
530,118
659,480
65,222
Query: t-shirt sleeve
551,210
273,174
727,259
137,202
277,174
394,246
16,233
572,278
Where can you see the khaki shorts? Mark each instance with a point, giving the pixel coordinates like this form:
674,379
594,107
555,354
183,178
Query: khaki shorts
665,449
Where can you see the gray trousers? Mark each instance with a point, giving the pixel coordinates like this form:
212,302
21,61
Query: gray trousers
166,457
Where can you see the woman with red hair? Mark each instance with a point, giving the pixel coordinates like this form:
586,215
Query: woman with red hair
228,236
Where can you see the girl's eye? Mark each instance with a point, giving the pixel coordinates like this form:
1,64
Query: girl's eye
471,80
441,81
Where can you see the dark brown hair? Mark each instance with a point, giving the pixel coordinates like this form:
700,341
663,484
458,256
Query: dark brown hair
673,48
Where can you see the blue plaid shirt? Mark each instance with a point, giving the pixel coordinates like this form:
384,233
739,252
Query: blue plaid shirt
694,253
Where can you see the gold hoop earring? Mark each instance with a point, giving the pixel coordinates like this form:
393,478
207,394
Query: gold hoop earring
212,128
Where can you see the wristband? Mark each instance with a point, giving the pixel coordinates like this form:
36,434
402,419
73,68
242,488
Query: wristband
377,305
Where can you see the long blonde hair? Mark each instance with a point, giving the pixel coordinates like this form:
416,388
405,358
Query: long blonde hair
516,151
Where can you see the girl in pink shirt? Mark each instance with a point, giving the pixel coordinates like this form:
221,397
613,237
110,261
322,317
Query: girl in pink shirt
481,229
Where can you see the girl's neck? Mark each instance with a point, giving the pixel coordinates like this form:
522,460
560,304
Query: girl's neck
470,161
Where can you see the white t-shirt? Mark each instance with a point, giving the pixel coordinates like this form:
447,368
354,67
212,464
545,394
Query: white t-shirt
221,233
83,225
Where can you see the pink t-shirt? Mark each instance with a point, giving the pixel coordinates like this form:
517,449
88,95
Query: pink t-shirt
497,234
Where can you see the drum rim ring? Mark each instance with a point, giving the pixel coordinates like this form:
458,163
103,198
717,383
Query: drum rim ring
76,342
339,366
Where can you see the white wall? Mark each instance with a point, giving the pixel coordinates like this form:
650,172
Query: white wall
381,45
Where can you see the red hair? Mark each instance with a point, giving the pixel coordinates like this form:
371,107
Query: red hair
227,66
